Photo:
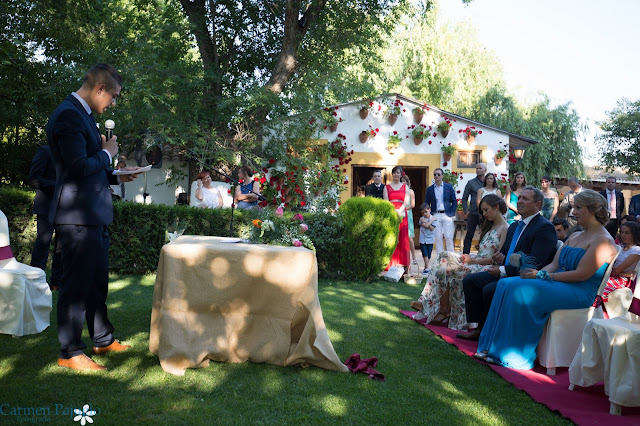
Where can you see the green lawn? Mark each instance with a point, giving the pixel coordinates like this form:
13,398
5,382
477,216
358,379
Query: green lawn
427,380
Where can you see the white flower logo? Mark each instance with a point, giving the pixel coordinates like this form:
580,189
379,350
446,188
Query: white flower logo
84,416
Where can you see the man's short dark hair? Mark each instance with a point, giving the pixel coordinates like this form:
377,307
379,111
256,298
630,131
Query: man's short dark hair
559,221
538,196
103,74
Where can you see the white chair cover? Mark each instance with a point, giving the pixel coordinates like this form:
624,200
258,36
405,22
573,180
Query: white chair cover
562,333
610,351
25,297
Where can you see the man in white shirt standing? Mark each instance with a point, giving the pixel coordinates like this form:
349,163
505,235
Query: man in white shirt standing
441,198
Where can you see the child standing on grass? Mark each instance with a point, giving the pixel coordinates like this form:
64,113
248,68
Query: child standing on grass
426,235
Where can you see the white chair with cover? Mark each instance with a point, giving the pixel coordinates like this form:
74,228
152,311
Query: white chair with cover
610,352
561,336
25,297
224,187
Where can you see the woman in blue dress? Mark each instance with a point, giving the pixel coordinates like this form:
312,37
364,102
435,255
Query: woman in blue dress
522,305
511,196
244,198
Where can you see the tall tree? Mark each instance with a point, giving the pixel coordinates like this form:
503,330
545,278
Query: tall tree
618,144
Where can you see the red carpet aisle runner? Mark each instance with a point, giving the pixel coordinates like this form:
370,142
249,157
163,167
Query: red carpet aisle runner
584,406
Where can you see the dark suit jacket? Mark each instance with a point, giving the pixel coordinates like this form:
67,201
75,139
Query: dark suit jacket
371,190
42,176
83,174
634,205
449,196
619,202
538,239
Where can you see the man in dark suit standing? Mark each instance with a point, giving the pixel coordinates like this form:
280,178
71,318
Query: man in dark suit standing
42,176
634,206
615,201
533,235
80,211
376,188
441,198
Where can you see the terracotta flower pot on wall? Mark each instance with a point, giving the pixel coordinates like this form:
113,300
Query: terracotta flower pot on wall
447,157
333,127
497,160
364,113
444,133
470,139
417,140
418,117
393,118
392,149
363,136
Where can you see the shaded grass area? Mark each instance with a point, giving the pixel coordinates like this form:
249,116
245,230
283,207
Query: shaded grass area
427,380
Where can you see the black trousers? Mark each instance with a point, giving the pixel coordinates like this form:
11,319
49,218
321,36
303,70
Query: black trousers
85,272
472,224
40,252
478,290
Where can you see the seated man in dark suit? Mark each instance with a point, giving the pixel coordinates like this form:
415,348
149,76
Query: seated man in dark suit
634,206
533,235
375,189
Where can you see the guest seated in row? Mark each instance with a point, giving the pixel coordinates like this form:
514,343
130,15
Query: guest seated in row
625,265
489,186
244,198
442,299
562,228
623,220
207,196
523,304
533,236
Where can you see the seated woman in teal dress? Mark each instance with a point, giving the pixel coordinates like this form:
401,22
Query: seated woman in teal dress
522,305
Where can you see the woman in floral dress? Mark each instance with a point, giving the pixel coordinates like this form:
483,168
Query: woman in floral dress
442,299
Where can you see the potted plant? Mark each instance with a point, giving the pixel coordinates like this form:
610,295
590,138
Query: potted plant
419,132
393,110
500,154
365,135
470,133
459,210
393,142
419,112
447,151
444,127
365,106
331,119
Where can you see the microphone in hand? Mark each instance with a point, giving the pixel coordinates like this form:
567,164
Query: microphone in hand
109,125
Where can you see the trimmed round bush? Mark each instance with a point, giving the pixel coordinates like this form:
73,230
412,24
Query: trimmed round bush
370,237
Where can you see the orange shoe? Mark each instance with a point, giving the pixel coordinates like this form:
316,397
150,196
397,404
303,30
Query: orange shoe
80,362
116,346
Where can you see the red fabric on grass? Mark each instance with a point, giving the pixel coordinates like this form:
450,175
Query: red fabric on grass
584,406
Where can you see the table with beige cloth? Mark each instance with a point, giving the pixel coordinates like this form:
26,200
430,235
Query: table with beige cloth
234,302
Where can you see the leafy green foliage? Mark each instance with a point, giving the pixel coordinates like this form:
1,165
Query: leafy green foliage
619,145
370,237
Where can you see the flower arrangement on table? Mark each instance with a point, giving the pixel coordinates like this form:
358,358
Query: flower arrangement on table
394,140
448,149
395,108
444,126
275,229
420,131
470,131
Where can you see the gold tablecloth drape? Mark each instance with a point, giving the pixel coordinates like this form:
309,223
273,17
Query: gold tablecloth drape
237,302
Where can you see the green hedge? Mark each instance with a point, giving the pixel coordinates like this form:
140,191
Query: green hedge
356,243
371,234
